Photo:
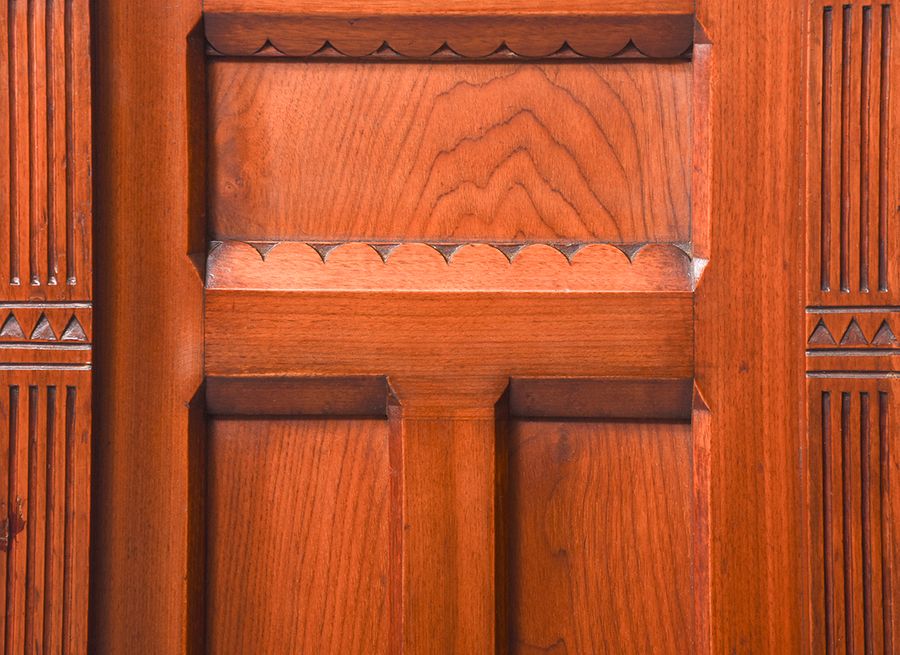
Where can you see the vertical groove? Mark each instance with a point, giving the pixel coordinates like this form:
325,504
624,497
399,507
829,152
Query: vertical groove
827,518
31,590
825,252
846,139
52,253
886,543
865,111
13,510
50,516
69,534
13,146
847,496
883,148
33,205
865,479
70,145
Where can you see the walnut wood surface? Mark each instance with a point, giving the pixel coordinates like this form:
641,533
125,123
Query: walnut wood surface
465,335
495,152
599,537
728,495
851,500
854,505
46,330
749,324
422,267
441,36
148,168
299,536
452,7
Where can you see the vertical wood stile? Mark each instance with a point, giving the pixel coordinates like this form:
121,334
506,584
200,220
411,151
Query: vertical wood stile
448,514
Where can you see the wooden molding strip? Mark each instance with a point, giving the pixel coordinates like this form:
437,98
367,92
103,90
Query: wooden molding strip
369,396
422,267
443,36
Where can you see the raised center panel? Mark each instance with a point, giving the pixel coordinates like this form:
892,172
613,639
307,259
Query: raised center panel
497,151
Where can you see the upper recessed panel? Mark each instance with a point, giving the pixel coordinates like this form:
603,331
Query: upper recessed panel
494,151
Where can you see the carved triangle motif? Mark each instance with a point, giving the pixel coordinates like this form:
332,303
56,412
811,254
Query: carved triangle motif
884,336
11,328
821,336
854,336
73,331
43,330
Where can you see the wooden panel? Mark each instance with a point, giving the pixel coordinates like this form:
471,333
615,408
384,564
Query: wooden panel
853,239
386,36
454,6
149,163
295,266
854,507
45,480
45,325
472,334
599,537
537,151
750,324
298,537
45,137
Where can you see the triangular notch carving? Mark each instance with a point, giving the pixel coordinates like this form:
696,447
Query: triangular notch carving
884,336
854,336
43,330
821,336
73,331
11,328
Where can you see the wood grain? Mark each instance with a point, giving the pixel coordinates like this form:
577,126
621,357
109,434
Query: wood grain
148,99
440,36
295,266
853,242
853,508
599,538
45,509
298,537
533,152
45,138
434,7
465,335
750,324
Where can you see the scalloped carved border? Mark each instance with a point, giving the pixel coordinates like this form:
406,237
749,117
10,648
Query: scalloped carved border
358,266
426,37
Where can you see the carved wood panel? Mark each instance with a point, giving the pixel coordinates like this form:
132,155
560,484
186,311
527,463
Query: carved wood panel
45,324
852,323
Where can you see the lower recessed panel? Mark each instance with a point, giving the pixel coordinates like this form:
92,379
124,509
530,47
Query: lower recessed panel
298,518
599,538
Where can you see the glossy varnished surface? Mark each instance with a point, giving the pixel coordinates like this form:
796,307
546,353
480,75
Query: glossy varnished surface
599,537
496,152
298,521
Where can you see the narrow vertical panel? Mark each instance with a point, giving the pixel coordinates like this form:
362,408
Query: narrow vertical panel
35,524
448,539
851,213
850,515
144,68
19,153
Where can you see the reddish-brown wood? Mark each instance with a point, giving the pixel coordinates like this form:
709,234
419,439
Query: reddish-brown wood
488,152
453,7
147,555
474,35
586,574
45,326
298,534
356,476
749,324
